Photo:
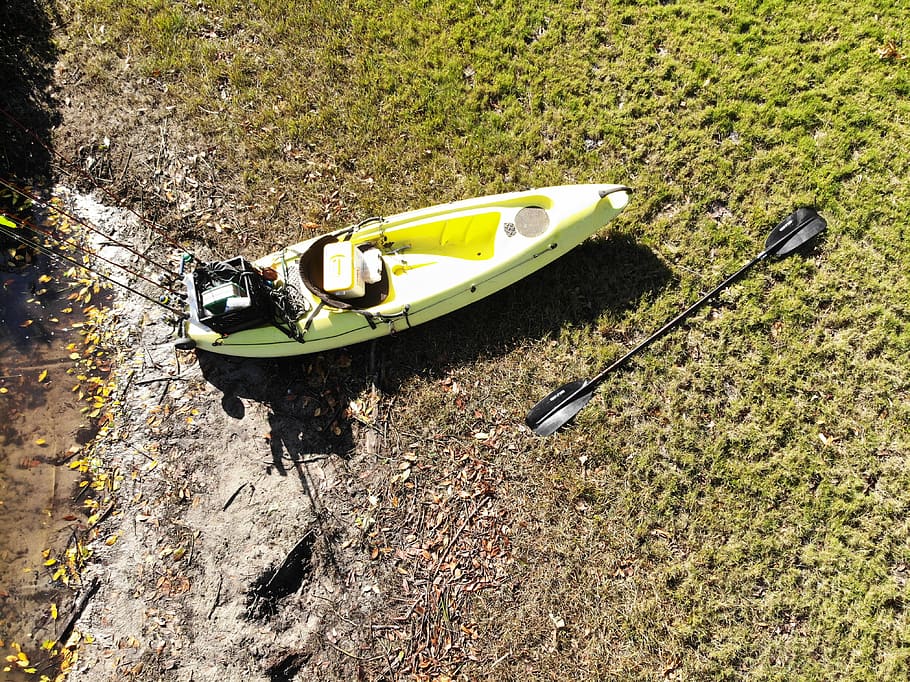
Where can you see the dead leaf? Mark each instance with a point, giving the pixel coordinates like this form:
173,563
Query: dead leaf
890,50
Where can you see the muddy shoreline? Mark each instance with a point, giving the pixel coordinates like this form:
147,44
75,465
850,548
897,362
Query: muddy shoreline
269,523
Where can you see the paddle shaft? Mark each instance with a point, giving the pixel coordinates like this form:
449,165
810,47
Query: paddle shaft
561,405
676,321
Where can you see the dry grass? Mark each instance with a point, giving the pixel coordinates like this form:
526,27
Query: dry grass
732,507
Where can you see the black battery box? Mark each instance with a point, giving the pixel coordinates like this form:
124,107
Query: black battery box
231,296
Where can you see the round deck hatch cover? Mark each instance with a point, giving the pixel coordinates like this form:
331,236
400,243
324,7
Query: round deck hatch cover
531,221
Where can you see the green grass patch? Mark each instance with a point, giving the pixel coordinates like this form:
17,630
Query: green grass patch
735,505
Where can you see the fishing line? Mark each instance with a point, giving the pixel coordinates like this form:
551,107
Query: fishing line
75,244
50,207
59,256
73,165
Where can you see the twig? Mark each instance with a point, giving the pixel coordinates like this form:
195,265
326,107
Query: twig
81,603
231,499
354,656
500,659
102,516
145,382
455,537
129,383
167,385
66,458
217,601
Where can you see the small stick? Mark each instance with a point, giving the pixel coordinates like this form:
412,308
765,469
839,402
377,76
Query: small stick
455,537
231,499
81,603
102,516
145,382
217,601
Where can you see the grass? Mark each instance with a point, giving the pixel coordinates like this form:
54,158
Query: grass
733,507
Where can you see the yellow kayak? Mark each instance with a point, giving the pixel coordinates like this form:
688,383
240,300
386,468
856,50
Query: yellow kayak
388,274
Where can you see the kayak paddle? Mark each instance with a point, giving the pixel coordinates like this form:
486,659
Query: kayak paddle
565,402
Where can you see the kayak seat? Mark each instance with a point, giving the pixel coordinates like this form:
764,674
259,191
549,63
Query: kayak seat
312,275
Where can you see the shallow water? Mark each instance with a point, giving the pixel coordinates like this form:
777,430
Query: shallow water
41,423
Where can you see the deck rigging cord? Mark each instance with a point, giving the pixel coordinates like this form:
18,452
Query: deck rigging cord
71,166
50,252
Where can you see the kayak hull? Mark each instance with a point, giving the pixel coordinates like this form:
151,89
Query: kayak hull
435,261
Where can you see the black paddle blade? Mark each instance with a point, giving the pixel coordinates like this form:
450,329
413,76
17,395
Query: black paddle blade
794,231
559,407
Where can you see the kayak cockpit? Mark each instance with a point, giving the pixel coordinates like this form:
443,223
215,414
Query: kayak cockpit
315,262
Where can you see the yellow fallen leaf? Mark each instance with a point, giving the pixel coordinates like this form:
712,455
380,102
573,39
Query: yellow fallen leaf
75,356
54,611
111,540
40,441
4,389
44,279
42,376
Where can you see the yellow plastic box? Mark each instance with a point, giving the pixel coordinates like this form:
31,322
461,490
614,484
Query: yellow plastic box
342,270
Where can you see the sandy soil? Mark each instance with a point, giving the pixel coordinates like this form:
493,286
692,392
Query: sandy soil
233,542
269,522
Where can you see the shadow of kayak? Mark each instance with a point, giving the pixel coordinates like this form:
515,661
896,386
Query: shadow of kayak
308,396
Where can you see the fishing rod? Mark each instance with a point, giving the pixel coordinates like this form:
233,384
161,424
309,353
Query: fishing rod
48,206
87,251
73,165
59,256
